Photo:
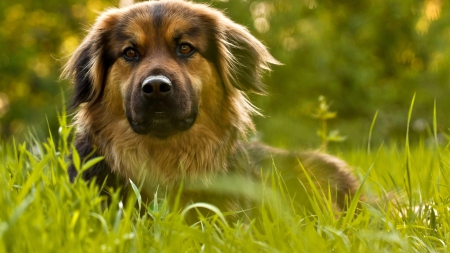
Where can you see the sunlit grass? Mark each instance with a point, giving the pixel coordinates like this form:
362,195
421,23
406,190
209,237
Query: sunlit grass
41,211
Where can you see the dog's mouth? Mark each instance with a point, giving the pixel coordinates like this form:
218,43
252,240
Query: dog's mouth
161,124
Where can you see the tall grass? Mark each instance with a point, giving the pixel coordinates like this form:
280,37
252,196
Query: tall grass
41,211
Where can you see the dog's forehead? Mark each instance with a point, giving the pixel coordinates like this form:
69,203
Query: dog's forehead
174,17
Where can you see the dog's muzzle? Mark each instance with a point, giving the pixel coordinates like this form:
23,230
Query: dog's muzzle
160,108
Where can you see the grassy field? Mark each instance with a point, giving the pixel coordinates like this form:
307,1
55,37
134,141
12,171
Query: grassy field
41,211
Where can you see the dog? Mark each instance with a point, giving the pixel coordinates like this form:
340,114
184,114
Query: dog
160,91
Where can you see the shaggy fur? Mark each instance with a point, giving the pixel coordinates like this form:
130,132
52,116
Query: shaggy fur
161,88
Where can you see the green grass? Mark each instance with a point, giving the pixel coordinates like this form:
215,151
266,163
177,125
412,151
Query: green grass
41,211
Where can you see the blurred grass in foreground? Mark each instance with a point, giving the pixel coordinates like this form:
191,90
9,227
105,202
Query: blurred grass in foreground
41,211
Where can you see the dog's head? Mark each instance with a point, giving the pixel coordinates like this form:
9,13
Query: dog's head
163,64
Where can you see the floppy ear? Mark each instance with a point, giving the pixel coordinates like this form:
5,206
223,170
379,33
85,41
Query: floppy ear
242,57
88,65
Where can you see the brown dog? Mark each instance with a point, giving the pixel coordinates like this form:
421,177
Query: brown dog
161,90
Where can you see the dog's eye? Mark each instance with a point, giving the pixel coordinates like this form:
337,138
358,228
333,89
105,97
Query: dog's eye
185,49
130,54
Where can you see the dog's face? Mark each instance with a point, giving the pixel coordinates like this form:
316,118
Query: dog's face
156,67
166,65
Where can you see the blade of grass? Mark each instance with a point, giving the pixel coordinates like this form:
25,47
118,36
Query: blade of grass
371,130
408,157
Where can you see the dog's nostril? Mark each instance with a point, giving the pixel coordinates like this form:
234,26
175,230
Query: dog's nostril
147,89
165,87
156,86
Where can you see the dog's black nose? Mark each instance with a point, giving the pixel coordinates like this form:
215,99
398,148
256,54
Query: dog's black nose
156,86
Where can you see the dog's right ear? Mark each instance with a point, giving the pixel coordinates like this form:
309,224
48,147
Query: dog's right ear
88,65
243,58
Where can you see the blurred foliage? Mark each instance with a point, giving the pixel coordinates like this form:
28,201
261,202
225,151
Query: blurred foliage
323,114
36,37
363,56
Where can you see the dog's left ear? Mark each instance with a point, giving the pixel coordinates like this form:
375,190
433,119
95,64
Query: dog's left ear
88,65
242,57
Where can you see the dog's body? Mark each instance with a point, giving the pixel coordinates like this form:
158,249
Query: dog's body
161,88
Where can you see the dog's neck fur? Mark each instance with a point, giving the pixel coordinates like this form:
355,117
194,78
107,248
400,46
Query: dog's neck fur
195,155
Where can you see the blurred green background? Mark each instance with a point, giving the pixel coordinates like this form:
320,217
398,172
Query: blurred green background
363,56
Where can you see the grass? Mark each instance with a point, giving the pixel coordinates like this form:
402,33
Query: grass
41,211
